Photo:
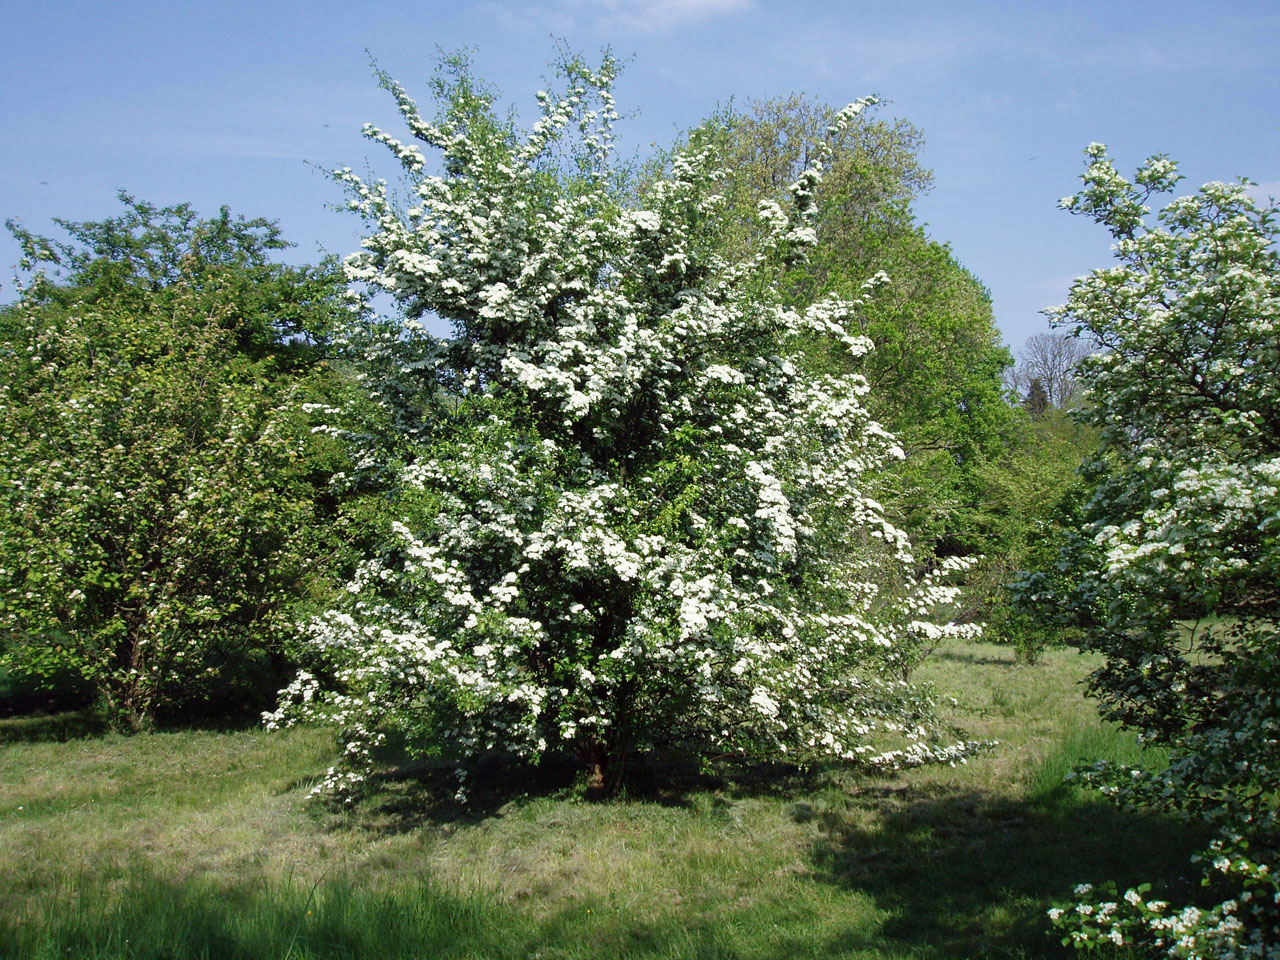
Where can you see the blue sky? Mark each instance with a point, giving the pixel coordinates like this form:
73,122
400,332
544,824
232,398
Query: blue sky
229,103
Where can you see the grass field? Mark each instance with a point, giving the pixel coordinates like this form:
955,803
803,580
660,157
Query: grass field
200,844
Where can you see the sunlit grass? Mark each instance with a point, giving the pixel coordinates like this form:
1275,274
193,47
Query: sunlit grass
201,844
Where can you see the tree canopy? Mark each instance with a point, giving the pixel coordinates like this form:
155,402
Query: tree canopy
158,481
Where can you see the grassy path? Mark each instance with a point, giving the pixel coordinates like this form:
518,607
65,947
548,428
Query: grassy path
200,845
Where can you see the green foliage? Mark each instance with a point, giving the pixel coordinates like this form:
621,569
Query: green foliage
156,469
149,255
872,174
1028,505
935,378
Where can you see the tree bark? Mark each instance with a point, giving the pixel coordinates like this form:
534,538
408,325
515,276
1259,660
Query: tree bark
593,756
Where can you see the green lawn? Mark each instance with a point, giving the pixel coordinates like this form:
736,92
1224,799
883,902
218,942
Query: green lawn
202,845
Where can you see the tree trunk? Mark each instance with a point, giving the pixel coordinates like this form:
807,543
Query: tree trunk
593,755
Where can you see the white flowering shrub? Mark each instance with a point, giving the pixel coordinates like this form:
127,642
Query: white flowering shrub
1183,542
631,519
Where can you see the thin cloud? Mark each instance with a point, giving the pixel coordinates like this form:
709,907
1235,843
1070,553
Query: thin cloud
644,16
660,15
533,18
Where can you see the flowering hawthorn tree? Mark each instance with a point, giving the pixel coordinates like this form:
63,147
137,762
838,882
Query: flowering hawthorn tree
631,518
1184,527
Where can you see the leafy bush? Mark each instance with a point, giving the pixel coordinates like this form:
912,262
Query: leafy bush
1032,504
156,513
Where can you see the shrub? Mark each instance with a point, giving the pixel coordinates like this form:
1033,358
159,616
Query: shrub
156,515
632,518
1180,557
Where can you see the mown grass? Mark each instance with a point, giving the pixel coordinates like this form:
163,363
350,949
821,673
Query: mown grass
201,845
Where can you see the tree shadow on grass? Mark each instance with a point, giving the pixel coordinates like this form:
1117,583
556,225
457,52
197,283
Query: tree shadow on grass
407,794
965,874
978,659
56,727
153,918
